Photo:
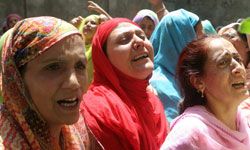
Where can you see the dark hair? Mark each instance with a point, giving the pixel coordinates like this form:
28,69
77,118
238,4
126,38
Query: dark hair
191,62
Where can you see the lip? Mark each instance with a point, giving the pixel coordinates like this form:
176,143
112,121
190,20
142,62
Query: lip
137,56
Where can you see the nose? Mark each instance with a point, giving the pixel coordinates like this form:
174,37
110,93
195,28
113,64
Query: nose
72,81
138,43
238,69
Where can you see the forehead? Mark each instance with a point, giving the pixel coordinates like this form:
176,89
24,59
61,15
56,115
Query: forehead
220,45
125,27
91,18
72,45
147,21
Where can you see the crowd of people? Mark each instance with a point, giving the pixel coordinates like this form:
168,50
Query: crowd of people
163,80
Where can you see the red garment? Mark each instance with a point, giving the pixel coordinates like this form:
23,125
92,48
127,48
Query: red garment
118,109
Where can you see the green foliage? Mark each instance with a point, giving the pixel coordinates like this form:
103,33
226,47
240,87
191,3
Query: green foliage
245,26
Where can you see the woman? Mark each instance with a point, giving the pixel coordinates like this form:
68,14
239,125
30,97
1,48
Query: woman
11,20
238,39
88,28
44,76
172,34
118,107
212,79
147,20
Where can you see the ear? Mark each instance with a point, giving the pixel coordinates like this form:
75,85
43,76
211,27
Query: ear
197,82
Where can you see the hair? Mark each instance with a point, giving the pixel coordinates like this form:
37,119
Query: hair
191,62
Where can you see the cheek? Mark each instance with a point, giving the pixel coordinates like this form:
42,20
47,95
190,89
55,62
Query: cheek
38,90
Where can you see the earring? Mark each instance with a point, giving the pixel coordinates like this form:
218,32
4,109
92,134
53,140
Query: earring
201,91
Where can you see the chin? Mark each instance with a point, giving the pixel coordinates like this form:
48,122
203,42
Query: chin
71,119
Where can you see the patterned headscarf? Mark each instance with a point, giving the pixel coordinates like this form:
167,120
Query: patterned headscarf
30,38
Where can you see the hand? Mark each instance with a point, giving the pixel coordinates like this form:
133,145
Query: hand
77,21
92,6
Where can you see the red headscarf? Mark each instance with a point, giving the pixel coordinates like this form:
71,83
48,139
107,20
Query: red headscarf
118,109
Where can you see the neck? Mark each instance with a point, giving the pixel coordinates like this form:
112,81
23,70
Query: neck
226,114
55,132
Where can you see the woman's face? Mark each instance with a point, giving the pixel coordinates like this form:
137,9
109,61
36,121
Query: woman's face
56,80
89,28
240,45
130,51
148,26
225,75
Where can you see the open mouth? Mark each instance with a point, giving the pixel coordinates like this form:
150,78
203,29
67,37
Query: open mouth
68,102
238,85
140,57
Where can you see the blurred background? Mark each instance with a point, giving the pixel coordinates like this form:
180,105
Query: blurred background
219,12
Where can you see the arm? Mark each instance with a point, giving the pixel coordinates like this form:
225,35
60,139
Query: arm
95,7
77,21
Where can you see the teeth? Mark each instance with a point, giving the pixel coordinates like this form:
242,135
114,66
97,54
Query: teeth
73,99
140,56
238,85
68,102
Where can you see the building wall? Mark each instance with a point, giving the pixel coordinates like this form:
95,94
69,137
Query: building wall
219,12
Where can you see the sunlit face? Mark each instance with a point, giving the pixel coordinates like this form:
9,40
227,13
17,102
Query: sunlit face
89,28
240,45
130,51
56,80
225,75
147,26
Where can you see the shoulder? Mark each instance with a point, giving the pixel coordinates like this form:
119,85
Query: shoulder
186,133
11,135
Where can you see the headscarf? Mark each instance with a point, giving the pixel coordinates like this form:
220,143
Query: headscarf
146,13
171,35
10,17
118,109
208,28
30,38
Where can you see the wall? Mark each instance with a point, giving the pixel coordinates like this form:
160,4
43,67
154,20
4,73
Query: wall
220,12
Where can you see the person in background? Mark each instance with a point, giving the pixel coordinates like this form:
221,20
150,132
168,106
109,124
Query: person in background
11,20
172,34
43,53
88,29
147,20
212,78
239,40
87,26
118,107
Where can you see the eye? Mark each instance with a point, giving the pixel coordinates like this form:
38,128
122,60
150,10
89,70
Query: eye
80,66
224,62
238,59
142,36
53,66
124,39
